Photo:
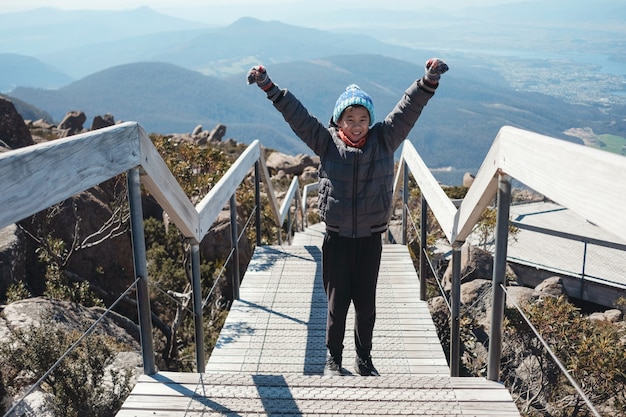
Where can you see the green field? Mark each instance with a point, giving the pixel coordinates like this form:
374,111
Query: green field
612,143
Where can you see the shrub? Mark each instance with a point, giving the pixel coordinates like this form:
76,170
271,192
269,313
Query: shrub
77,386
594,354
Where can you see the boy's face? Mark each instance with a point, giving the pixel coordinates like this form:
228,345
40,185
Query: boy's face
354,122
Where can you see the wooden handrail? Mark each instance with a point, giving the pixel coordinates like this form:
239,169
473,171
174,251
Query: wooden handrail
589,181
39,176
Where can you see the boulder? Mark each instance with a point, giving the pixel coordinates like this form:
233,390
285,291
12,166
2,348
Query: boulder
309,174
521,296
292,165
23,314
475,264
597,317
217,134
13,131
611,316
42,124
552,286
35,404
475,291
12,257
72,123
71,317
100,122
468,179
479,295
107,264
197,130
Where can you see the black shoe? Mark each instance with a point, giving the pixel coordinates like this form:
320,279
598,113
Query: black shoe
333,367
365,367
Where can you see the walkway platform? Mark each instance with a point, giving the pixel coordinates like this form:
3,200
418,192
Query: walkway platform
270,355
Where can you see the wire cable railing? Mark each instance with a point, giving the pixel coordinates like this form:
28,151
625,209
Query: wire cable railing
554,357
513,155
127,147
446,295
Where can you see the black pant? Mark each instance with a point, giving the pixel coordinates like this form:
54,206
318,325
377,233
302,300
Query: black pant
350,271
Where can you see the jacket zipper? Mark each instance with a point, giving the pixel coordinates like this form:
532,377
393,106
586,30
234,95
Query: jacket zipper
354,192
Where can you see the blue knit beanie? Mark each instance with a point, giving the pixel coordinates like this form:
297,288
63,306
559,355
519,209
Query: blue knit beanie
353,96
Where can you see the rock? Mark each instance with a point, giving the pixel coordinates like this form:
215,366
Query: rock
107,265
280,175
72,123
613,315
182,138
521,296
552,286
42,124
132,361
438,309
13,131
292,165
12,257
597,317
475,264
35,404
71,317
468,180
201,138
100,122
197,130
23,314
309,174
217,134
479,295
473,291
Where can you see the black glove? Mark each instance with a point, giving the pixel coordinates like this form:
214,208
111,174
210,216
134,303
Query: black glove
434,68
258,75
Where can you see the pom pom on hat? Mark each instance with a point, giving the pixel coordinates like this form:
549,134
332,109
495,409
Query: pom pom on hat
351,97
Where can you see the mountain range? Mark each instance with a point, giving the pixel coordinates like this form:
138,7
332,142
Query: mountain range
191,73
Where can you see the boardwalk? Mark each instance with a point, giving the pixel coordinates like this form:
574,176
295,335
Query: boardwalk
270,355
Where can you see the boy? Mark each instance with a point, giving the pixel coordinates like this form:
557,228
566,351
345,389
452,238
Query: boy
355,191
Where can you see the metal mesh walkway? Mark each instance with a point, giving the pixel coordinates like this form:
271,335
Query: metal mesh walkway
270,355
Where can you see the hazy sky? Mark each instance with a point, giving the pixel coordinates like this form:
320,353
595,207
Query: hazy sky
203,10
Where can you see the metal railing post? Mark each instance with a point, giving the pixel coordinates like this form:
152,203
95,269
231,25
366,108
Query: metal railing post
141,270
405,200
297,210
235,245
257,201
582,275
455,300
197,306
499,272
423,247
289,225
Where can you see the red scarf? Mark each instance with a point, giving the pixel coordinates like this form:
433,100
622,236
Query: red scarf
348,142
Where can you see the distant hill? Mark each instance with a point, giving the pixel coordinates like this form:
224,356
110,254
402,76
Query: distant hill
28,111
220,51
51,30
20,70
456,129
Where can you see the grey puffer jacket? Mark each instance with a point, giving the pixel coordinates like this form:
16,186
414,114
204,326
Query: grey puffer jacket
356,184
